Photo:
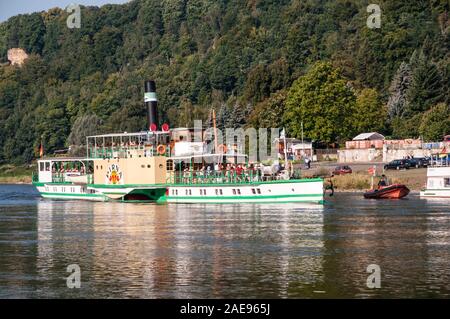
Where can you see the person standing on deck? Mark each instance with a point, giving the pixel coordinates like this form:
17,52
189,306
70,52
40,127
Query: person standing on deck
383,182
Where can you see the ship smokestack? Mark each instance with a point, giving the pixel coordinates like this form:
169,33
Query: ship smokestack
151,103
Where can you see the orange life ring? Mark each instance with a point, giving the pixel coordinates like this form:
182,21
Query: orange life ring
223,149
161,150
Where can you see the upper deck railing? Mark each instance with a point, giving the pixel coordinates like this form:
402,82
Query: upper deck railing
440,161
224,177
128,145
124,151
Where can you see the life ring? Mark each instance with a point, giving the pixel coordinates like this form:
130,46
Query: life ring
223,149
161,150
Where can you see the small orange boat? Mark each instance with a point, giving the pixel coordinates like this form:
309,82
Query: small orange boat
395,191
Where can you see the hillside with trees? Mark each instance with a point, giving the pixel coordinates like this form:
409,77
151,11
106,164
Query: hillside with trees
263,63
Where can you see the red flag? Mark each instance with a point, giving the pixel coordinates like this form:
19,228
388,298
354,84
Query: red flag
372,170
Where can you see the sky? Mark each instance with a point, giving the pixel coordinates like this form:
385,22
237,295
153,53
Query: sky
9,8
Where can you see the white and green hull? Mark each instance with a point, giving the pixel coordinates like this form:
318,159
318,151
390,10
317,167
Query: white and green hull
435,193
310,191
307,190
69,192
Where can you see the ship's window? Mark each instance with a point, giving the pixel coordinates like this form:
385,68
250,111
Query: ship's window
101,167
142,166
149,166
204,192
253,191
41,167
161,166
259,191
446,182
190,192
221,192
169,165
47,166
239,192
234,192
96,167
217,192
201,192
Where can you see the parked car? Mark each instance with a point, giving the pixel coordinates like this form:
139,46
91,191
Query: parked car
342,170
419,162
397,164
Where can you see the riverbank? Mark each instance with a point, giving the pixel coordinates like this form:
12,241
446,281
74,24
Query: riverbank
360,180
10,174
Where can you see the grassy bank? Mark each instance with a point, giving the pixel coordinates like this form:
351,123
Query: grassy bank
10,174
414,179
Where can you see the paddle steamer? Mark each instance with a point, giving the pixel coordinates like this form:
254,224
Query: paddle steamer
142,167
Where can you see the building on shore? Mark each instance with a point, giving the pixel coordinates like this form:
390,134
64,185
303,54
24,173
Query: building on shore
296,149
373,147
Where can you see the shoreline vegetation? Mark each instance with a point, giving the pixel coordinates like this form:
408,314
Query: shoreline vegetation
414,179
10,174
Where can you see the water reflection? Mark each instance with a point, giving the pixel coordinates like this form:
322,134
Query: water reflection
181,251
408,239
235,251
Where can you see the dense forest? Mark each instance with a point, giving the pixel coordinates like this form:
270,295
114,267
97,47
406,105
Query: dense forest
263,63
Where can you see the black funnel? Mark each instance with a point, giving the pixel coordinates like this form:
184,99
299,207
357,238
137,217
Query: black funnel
151,103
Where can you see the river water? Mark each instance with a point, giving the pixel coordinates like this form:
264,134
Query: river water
223,251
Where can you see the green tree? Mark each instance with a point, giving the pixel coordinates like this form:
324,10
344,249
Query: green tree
426,84
370,114
406,127
435,123
269,113
84,126
323,102
397,104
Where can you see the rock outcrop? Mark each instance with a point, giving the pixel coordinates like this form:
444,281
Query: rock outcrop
17,56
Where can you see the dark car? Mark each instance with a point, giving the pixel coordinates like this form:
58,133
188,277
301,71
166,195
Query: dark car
342,170
397,164
419,162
